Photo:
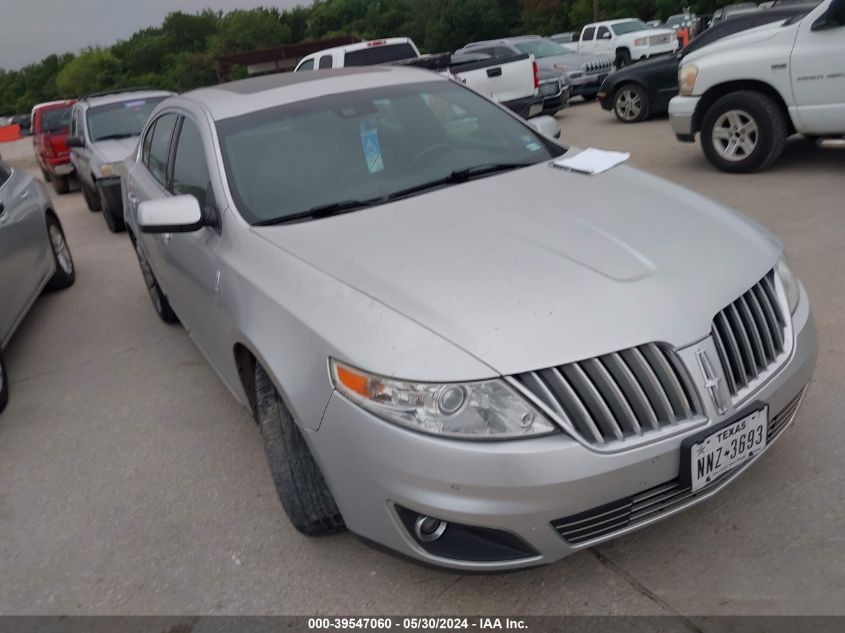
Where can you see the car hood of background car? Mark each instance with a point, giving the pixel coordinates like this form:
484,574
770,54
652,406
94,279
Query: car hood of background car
540,266
115,150
739,40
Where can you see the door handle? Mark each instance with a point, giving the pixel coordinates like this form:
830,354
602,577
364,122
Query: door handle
494,72
25,194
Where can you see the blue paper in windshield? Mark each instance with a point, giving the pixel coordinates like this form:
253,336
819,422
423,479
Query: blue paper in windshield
134,104
371,146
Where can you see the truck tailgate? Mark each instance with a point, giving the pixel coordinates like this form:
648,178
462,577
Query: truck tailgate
499,80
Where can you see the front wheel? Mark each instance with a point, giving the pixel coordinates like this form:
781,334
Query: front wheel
299,483
743,132
623,58
158,298
4,384
630,104
65,273
114,220
92,200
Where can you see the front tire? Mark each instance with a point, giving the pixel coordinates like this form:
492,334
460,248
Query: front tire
113,220
299,483
65,274
160,303
4,384
91,197
631,104
743,131
623,58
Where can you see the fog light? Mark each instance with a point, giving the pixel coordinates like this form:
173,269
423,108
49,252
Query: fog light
429,529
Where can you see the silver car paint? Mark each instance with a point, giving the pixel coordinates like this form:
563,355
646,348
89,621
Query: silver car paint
26,258
536,267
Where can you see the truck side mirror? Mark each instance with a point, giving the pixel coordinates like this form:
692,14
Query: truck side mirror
605,36
833,18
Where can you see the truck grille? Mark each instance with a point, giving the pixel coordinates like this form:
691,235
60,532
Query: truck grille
549,88
618,395
665,38
618,515
749,334
598,66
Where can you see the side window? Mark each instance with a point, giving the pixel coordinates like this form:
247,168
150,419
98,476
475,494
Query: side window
603,34
160,146
148,139
190,168
325,61
588,33
309,65
4,174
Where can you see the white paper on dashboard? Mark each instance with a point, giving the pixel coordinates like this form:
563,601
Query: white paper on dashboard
592,161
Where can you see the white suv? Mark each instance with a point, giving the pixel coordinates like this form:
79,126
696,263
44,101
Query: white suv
626,40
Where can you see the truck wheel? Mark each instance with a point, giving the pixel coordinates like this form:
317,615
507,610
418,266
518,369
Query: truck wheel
630,104
4,384
743,131
65,273
91,197
623,58
60,184
299,483
113,220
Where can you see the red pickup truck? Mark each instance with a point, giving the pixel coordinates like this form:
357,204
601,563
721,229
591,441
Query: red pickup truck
50,128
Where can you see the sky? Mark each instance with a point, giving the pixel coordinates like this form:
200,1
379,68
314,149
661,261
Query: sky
32,29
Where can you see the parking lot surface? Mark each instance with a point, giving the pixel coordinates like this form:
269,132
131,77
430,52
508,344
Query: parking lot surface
132,483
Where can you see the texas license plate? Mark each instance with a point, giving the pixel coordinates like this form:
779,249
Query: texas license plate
728,447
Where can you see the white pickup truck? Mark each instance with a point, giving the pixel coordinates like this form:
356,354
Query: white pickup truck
626,40
746,93
513,82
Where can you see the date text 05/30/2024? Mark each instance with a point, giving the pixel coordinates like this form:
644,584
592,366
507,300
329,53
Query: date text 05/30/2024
418,623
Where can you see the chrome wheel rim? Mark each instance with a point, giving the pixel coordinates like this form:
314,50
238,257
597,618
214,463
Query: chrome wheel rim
629,105
60,249
149,279
735,135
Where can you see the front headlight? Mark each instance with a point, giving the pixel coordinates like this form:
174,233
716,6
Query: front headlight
109,170
641,41
686,79
789,281
489,409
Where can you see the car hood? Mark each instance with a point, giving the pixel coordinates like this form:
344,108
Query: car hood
114,150
739,40
540,266
640,69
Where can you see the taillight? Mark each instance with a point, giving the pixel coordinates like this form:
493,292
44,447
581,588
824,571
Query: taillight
536,76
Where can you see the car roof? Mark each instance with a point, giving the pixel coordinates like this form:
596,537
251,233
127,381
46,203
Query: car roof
235,98
49,105
128,95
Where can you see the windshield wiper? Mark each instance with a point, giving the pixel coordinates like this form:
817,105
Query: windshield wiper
322,211
458,176
113,137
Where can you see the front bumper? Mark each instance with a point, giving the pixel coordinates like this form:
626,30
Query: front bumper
681,117
518,487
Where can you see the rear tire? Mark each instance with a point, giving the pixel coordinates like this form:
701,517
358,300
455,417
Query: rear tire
60,184
91,197
65,273
4,384
630,104
113,221
160,303
299,483
743,131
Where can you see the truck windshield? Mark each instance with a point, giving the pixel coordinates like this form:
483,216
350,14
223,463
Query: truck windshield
120,120
383,54
355,149
55,119
629,26
542,48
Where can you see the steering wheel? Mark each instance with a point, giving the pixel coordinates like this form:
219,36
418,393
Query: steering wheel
427,154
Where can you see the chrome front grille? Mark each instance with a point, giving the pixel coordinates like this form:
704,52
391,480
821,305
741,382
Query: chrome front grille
631,511
597,66
618,395
665,38
549,88
750,333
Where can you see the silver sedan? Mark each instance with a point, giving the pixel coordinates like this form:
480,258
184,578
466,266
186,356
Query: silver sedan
33,254
451,345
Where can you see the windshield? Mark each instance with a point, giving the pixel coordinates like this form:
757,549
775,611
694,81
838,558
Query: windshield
379,55
541,48
366,146
55,119
628,26
120,120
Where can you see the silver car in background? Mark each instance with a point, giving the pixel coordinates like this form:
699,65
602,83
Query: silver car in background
33,254
452,346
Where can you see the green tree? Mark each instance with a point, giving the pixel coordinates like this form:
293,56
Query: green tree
245,30
95,69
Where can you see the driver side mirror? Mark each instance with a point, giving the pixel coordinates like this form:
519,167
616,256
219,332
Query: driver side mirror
545,125
832,18
605,36
176,214
75,141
